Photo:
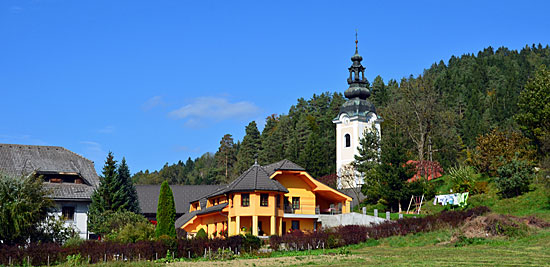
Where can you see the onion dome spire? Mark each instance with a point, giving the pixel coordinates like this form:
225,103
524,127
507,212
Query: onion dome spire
358,84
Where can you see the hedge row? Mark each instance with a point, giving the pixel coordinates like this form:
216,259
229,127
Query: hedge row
98,251
354,234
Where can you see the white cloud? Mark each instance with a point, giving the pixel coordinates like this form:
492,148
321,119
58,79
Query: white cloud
214,108
152,102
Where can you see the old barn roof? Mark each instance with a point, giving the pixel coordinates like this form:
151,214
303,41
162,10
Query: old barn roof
17,160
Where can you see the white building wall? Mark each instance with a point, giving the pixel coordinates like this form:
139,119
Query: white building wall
355,127
80,222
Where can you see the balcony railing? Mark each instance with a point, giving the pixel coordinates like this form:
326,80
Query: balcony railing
333,209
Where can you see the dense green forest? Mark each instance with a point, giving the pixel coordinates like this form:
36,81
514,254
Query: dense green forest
437,116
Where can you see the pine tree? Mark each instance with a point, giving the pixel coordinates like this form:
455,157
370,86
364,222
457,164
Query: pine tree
249,149
131,201
105,196
379,92
368,159
534,105
225,159
166,212
272,149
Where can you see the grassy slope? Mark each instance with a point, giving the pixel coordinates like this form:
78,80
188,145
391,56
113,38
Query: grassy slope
535,202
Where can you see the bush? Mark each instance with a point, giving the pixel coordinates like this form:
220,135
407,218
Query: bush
251,242
514,178
132,233
111,222
24,207
201,234
355,234
463,179
73,242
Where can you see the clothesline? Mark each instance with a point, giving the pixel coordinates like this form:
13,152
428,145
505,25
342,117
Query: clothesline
458,199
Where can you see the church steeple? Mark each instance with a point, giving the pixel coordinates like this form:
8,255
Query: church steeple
356,115
358,84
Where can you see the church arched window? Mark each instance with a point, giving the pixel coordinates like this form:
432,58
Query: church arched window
347,138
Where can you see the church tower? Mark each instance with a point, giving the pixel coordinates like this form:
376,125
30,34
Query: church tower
356,115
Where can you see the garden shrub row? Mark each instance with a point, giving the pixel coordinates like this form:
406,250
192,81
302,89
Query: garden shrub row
97,251
355,234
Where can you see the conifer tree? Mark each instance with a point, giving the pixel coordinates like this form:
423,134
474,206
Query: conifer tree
534,110
249,149
166,212
131,201
104,197
272,149
225,159
368,159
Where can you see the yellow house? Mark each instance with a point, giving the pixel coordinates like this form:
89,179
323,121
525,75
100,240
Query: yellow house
263,201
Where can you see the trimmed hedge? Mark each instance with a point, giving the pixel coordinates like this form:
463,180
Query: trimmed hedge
97,251
355,234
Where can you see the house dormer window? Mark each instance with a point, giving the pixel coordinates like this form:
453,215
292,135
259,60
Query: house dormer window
264,200
347,138
245,200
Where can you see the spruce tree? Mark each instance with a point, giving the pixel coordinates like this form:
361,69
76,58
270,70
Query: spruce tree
225,159
166,212
249,149
104,196
271,142
131,201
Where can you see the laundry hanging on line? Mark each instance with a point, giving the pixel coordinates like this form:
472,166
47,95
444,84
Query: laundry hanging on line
458,199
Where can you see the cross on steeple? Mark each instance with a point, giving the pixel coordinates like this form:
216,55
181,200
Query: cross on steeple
356,39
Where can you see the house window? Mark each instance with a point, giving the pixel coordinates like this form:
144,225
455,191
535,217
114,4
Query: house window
278,200
264,200
348,140
67,213
245,200
296,203
295,225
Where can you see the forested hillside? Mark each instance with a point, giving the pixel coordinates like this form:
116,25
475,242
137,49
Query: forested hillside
438,115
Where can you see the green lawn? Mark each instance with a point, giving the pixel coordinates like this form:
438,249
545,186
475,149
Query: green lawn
534,202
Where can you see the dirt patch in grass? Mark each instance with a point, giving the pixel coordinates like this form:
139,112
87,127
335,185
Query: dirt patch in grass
332,260
500,225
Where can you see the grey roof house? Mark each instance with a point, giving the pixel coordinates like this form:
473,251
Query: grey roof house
71,177
148,196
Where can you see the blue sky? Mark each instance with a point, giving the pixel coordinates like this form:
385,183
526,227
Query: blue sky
159,81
